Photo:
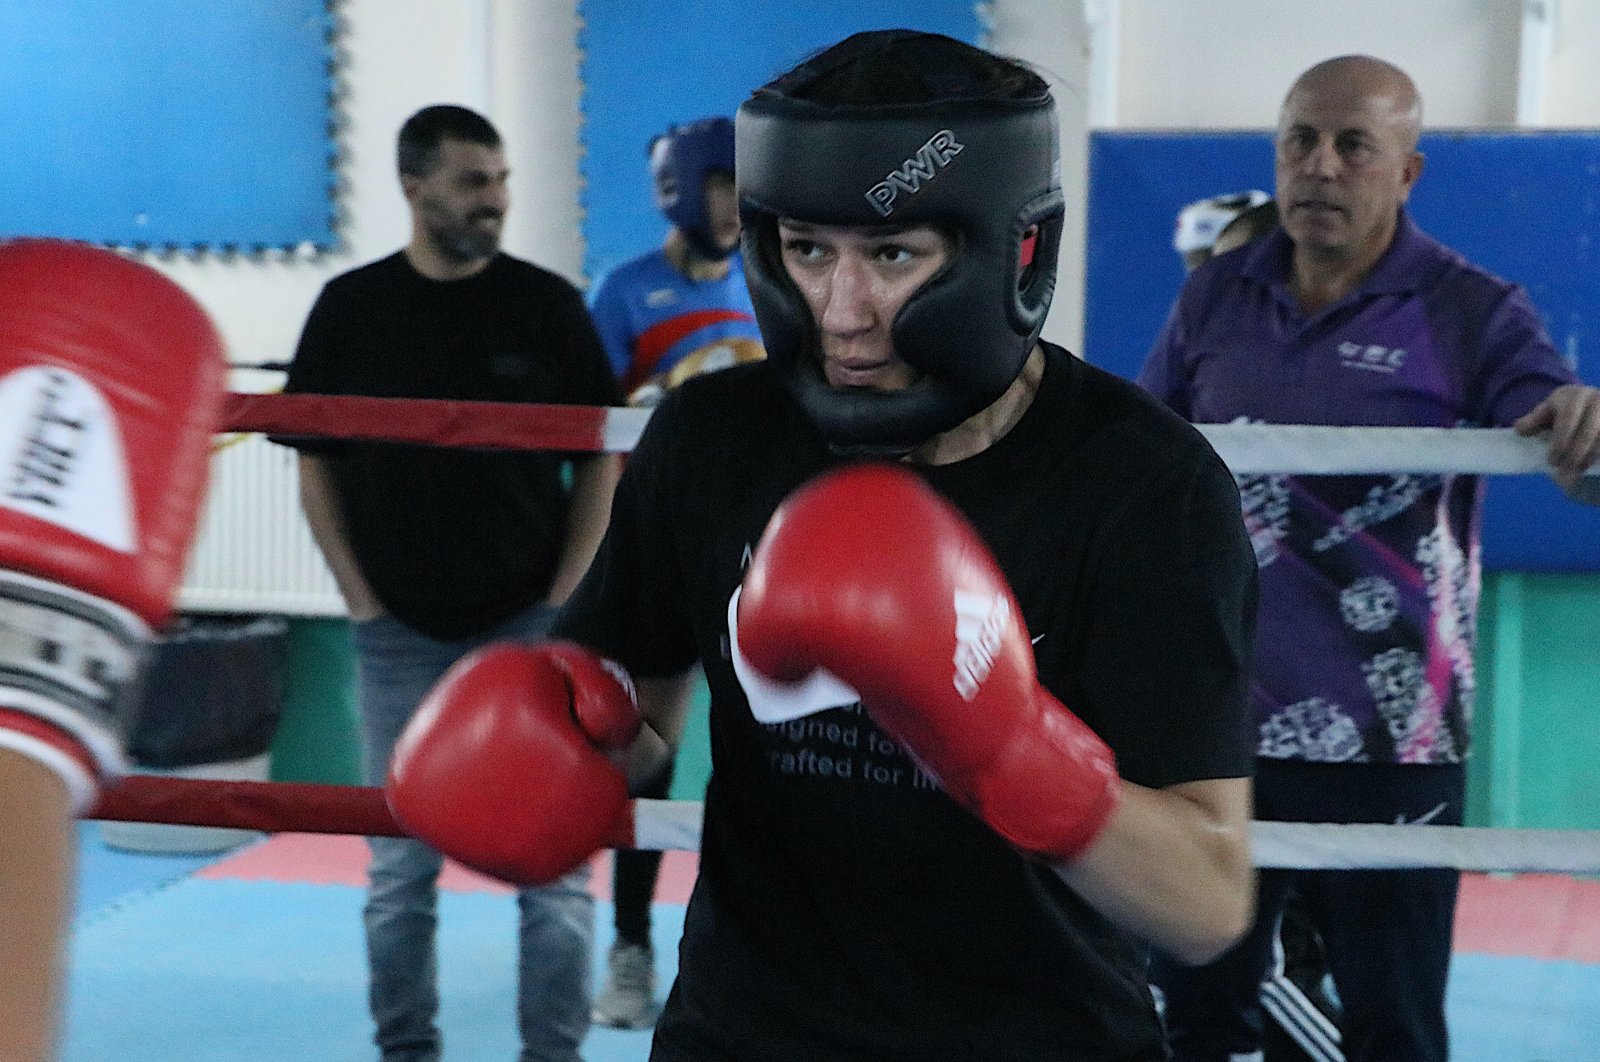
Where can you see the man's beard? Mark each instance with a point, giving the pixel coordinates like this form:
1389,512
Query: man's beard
465,242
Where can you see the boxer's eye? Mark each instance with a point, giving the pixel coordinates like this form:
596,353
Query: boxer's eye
798,247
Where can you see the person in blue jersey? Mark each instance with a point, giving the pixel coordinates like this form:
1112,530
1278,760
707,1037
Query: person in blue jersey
675,312
682,308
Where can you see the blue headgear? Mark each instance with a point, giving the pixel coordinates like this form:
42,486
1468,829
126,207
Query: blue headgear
680,161
985,169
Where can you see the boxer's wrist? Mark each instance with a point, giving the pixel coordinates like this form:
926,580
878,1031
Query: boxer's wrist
71,662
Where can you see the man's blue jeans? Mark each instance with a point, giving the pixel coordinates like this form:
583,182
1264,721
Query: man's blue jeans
397,666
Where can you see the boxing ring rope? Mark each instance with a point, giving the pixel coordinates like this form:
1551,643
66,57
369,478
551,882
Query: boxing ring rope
438,422
660,825
296,807
1248,449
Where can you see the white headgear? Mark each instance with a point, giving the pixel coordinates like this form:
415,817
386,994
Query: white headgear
1201,221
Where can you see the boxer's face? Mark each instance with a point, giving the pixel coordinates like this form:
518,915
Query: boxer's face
461,204
855,279
722,210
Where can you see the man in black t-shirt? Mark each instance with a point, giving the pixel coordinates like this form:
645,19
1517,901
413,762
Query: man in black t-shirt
438,551
974,616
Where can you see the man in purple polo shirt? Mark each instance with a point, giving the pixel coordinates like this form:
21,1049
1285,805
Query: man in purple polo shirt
1363,680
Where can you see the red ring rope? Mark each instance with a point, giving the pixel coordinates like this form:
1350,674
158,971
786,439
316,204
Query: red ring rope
436,422
272,807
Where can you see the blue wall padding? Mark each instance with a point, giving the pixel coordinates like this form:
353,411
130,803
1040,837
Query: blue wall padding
1524,205
647,66
148,123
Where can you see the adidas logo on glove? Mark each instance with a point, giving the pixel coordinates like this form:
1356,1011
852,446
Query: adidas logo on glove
982,621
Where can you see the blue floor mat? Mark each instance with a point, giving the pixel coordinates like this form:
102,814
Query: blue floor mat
107,876
1511,1009
167,967
228,971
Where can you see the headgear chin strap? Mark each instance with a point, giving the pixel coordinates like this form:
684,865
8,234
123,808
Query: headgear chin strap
680,161
986,170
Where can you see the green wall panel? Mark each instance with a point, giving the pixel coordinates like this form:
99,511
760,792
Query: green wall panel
317,736
1539,703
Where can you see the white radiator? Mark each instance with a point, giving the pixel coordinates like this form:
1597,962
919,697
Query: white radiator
254,552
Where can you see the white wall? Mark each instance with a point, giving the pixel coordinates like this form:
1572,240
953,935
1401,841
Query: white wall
1052,37
1169,63
1227,63
536,101
1573,78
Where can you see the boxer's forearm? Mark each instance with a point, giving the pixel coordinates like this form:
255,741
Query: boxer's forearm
36,866
594,481
321,508
1174,866
663,705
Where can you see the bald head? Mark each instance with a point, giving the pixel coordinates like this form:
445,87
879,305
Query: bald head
1357,79
1346,160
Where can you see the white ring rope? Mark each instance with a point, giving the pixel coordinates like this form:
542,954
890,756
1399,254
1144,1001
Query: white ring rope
1310,846
667,825
675,825
1298,449
621,428
1304,449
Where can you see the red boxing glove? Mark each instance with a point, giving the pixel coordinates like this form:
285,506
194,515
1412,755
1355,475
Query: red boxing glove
870,575
111,386
504,767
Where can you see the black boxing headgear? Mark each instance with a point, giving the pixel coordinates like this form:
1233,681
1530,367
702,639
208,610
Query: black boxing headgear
977,162
680,161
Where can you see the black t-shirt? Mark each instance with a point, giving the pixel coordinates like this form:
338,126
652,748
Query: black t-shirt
846,908
452,541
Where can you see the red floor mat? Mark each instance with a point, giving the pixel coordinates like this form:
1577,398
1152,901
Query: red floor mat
1542,916
319,859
